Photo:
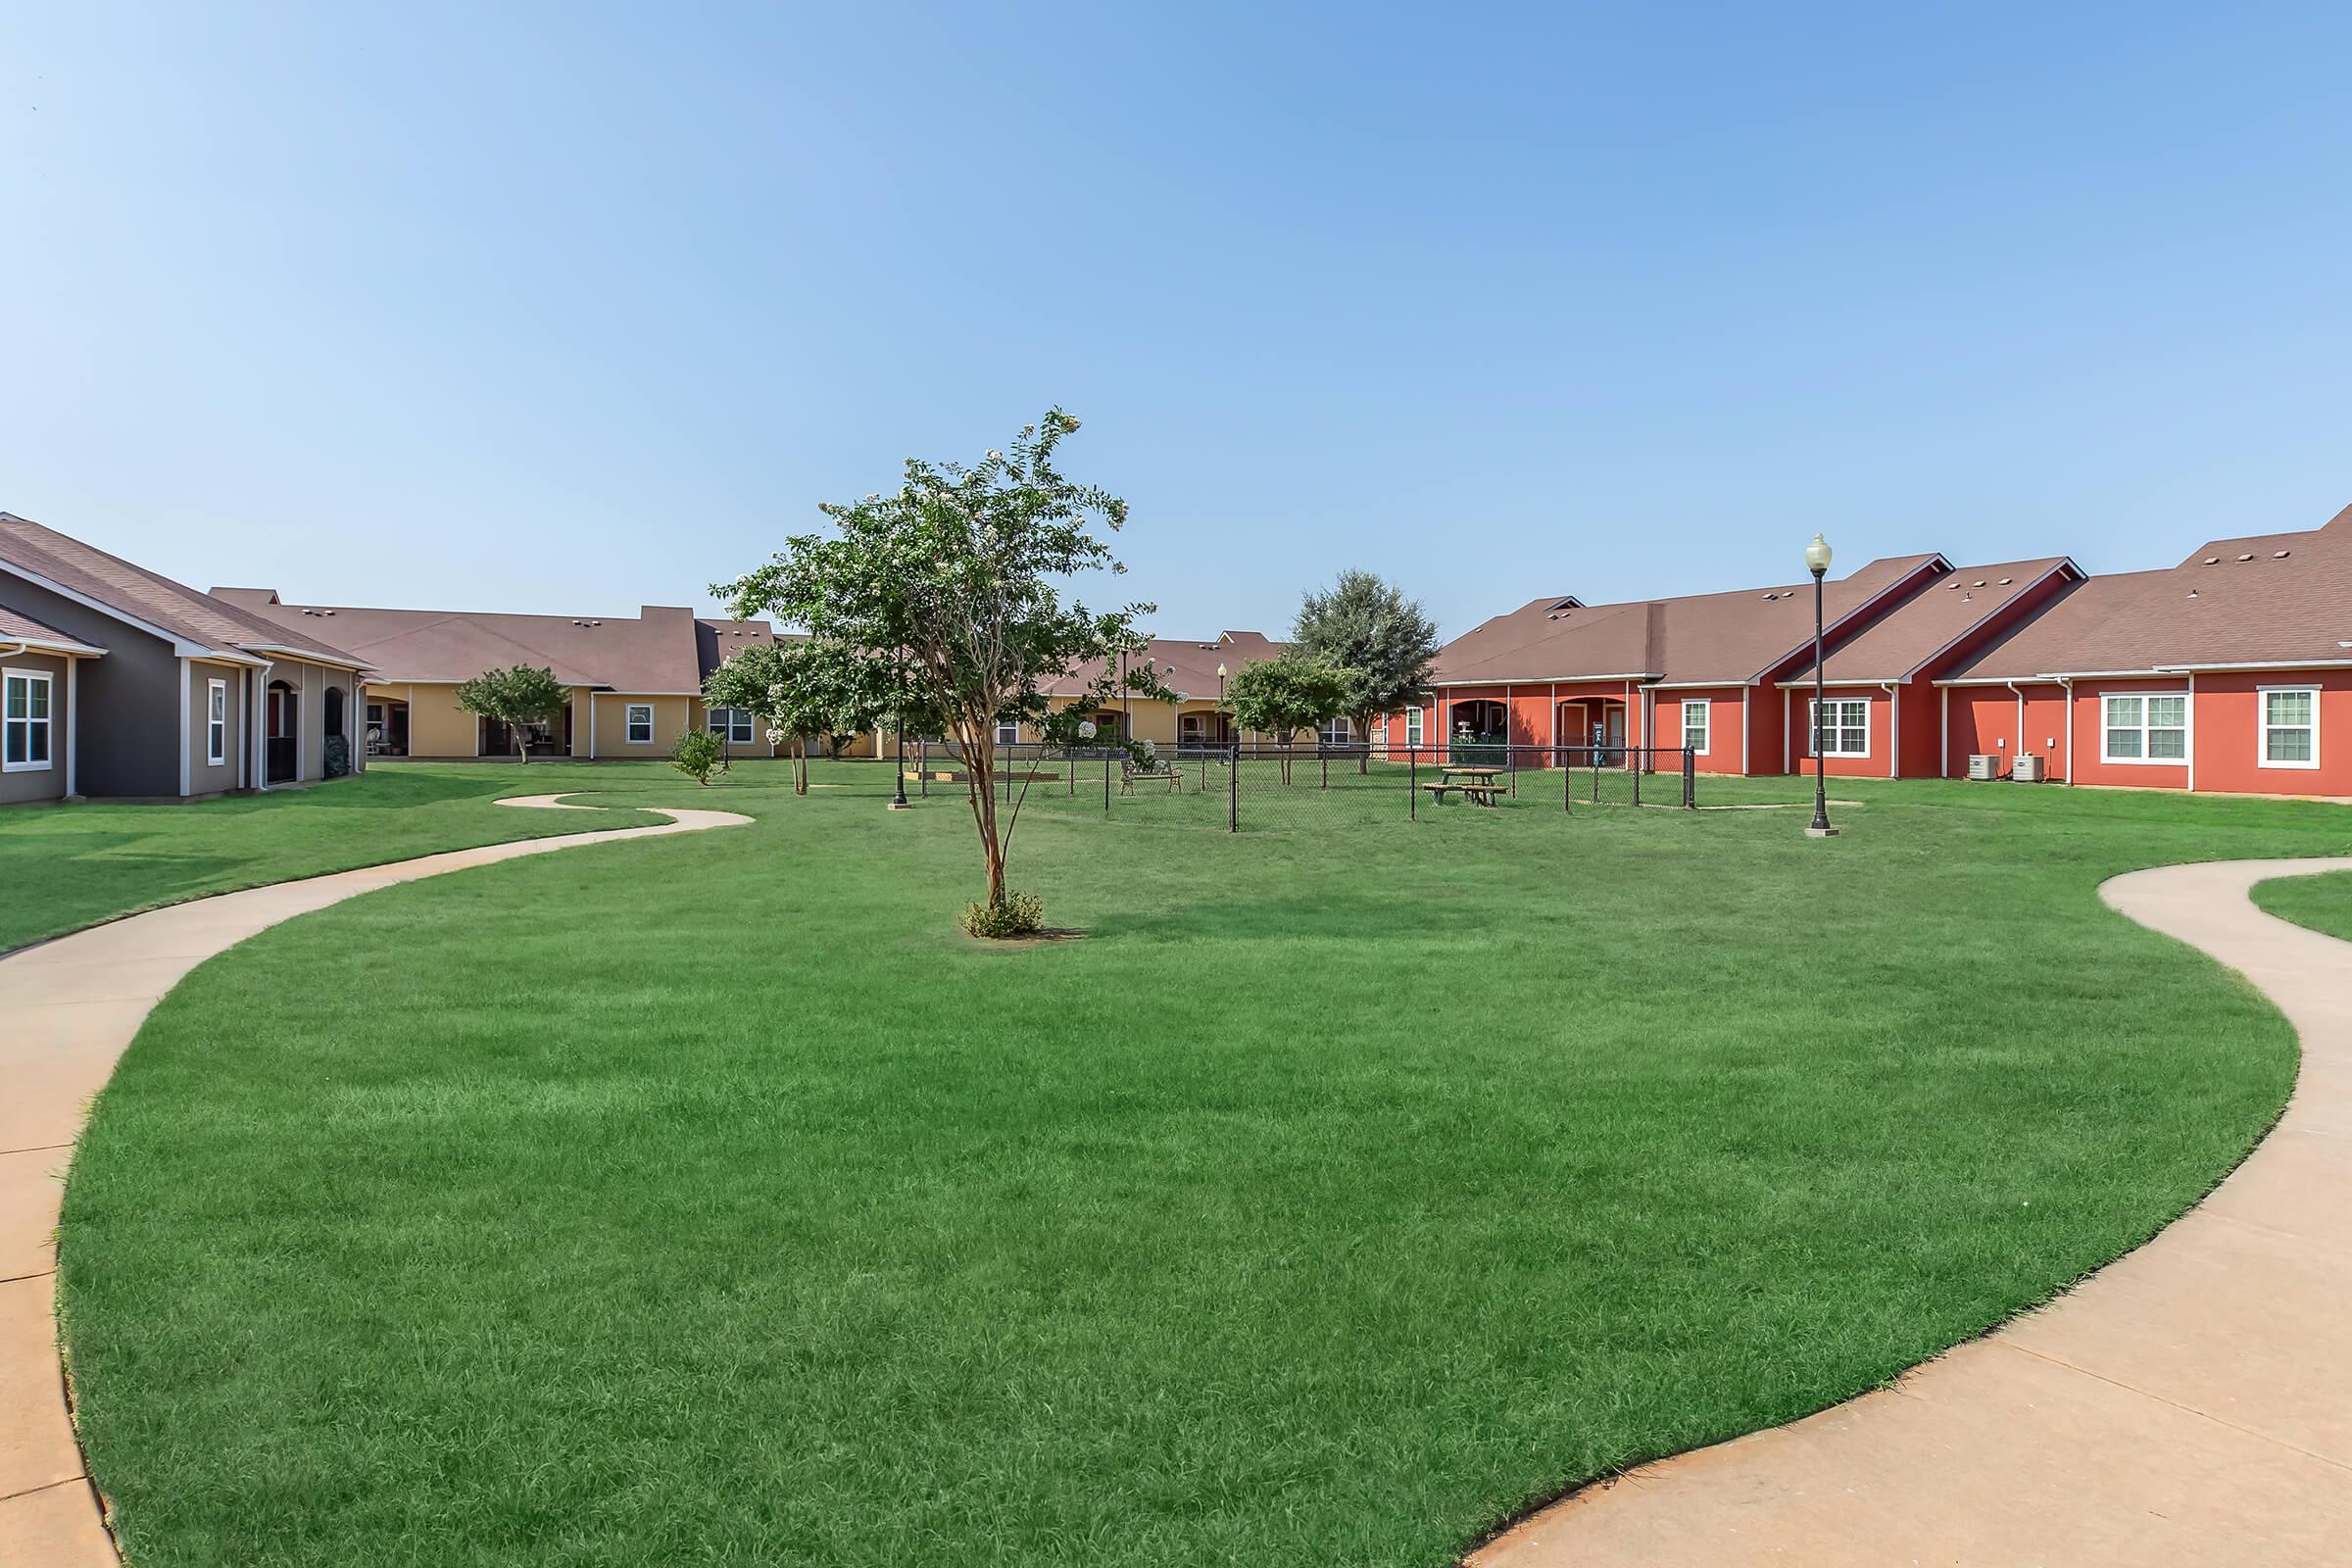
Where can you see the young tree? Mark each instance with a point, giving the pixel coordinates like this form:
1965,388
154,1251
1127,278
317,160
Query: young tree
517,697
1280,697
800,691
944,593
1368,627
697,754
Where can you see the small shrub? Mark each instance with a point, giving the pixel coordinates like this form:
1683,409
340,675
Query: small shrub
697,756
338,757
1020,914
1140,752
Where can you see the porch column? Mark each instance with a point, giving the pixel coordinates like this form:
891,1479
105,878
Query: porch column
73,718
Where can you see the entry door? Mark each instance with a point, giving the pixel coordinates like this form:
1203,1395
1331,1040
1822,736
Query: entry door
284,756
1609,735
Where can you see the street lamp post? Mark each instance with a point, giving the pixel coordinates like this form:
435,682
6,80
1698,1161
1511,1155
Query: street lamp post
1221,739
898,740
1817,561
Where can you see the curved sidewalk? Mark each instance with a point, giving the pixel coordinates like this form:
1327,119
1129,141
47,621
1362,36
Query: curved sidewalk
71,1007
2191,1404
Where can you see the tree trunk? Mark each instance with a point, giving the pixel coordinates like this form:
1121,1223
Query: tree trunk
980,771
523,752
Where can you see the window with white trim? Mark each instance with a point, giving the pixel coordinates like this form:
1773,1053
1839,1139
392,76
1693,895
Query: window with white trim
1336,732
1844,726
640,717
1008,732
2290,726
1697,719
2144,727
733,724
1412,726
215,722
24,721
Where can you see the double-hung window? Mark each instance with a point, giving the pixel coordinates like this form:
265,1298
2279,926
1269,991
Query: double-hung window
733,723
1008,732
2290,726
640,717
1696,716
1412,726
1844,726
1336,732
2144,727
24,721
215,722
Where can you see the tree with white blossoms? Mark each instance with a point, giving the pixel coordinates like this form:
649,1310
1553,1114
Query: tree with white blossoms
1368,627
800,691
946,591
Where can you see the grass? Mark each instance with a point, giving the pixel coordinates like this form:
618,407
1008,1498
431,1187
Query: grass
68,866
2322,903
1350,1186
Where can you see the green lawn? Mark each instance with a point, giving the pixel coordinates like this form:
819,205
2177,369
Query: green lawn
67,866
2322,903
1347,1189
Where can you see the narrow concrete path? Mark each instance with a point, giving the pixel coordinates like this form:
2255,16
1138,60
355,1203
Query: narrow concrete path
67,1010
2191,1404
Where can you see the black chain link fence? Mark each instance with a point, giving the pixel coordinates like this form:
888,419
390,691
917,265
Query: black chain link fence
1241,789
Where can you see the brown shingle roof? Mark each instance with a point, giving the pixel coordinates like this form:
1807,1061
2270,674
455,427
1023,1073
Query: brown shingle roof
1189,666
1704,638
714,640
2295,609
1924,625
18,627
654,650
175,608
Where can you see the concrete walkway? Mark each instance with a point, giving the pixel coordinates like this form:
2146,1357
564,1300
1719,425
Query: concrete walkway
70,1009
2191,1404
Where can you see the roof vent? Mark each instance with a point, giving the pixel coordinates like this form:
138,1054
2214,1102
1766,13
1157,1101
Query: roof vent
1968,599
2280,555
2006,581
1980,582
2246,556
2192,593
2213,560
326,612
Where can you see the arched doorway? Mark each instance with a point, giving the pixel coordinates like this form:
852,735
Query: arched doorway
1480,718
283,715
1596,722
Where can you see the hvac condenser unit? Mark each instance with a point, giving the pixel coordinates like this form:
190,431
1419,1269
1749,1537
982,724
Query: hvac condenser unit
1983,764
2029,770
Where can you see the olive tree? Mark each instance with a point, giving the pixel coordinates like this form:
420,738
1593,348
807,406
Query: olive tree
947,592
1384,641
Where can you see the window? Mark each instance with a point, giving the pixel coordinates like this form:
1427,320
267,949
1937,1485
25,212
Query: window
215,722
640,717
24,733
1008,732
1338,732
2146,727
2290,726
1843,724
1695,716
733,723
1412,726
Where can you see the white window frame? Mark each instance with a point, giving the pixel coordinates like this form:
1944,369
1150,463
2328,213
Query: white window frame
2262,726
1413,728
1008,732
215,723
1813,727
1341,731
2146,730
631,723
47,723
1706,723
734,725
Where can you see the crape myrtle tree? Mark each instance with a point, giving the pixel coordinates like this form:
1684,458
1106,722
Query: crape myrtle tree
1368,627
800,691
946,591
518,696
1280,697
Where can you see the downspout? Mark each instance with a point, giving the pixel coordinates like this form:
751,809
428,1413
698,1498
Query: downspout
2020,693
1894,737
72,722
186,674
2066,684
2193,731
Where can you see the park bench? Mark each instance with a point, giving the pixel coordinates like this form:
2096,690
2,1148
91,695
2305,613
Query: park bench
1162,770
1477,784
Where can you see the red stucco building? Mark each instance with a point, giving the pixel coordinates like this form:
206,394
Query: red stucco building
2229,672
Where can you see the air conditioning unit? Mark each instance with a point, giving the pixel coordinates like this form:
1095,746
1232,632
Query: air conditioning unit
2029,770
1983,764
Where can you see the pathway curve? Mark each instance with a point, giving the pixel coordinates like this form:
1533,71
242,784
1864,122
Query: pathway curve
67,1009
2191,1404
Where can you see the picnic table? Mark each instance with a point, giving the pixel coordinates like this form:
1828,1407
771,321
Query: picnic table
1477,784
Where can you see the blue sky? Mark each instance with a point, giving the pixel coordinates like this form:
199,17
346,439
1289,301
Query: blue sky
572,308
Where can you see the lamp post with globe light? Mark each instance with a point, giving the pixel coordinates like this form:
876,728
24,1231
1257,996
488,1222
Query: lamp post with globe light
1817,561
